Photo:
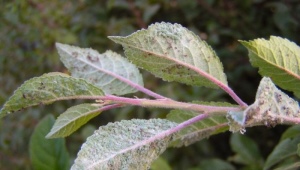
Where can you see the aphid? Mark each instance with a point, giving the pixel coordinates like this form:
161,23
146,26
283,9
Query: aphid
278,97
42,86
75,54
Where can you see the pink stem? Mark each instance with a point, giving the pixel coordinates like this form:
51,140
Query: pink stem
166,103
108,107
223,86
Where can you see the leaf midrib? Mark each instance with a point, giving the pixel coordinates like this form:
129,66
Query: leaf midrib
85,114
201,72
144,142
276,66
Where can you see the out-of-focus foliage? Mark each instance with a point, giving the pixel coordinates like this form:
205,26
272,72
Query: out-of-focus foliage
29,29
47,154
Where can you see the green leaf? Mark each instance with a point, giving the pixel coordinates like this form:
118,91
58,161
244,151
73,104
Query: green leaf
87,131
47,154
129,144
277,58
246,150
72,119
214,164
283,150
109,71
291,132
290,166
197,131
298,150
47,89
271,107
200,130
160,164
174,53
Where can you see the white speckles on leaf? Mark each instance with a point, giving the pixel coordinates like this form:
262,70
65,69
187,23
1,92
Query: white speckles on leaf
124,145
43,90
173,53
107,70
271,107
197,131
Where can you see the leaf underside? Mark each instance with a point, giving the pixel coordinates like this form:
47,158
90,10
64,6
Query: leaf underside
47,89
124,145
197,131
173,53
200,130
107,71
270,108
72,119
277,58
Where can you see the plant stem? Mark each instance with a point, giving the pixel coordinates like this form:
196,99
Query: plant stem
166,103
108,107
223,86
292,120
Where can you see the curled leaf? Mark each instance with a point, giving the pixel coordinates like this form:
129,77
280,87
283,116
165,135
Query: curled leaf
271,107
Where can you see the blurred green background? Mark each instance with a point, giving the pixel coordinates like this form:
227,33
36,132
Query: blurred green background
29,29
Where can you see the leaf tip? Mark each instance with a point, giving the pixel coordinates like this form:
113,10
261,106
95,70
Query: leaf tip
58,45
53,135
236,121
244,43
48,136
115,39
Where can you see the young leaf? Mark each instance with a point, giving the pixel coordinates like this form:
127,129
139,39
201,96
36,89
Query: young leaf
271,107
128,144
109,71
47,89
197,131
283,150
247,151
277,58
174,53
47,154
72,119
